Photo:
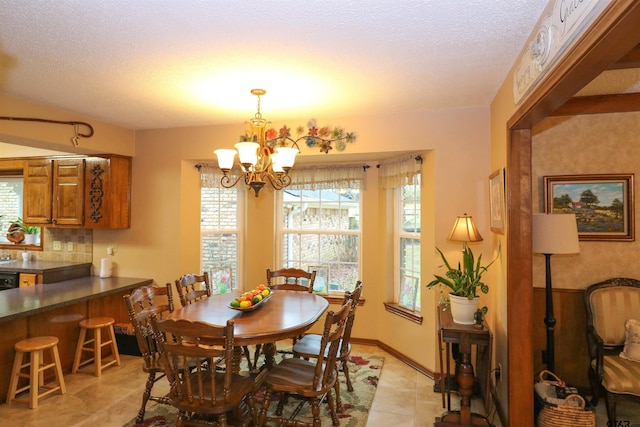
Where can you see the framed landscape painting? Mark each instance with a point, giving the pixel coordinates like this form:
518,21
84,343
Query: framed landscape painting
603,204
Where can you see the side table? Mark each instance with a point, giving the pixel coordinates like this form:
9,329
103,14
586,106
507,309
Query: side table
465,336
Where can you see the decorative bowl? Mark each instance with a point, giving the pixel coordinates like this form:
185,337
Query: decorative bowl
254,306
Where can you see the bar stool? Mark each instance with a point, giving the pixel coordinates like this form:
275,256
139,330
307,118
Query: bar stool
96,324
35,347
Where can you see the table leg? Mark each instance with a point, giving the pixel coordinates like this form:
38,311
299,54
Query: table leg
269,351
465,380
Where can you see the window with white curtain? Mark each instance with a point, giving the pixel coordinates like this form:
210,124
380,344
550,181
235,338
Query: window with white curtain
402,176
220,230
319,225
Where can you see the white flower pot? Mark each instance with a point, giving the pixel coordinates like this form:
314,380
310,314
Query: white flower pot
30,239
463,309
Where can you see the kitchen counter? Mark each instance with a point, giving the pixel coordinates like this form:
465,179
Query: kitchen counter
51,271
56,309
27,301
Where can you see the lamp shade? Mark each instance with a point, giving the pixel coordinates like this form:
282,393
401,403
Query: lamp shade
555,234
465,230
225,158
248,152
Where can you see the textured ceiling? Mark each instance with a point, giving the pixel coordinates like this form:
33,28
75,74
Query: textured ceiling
166,63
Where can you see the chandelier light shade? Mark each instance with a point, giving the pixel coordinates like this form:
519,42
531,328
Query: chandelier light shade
266,155
465,230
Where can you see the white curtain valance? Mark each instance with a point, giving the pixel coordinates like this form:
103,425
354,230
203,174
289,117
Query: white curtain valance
210,176
398,172
321,177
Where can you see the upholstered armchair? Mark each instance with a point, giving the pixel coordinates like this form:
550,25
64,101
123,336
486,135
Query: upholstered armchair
613,336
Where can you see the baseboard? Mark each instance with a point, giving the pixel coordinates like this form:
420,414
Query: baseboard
401,357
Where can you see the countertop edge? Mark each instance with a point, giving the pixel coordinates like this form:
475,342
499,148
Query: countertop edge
76,290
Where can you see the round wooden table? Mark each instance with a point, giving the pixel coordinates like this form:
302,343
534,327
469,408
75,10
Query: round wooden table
287,314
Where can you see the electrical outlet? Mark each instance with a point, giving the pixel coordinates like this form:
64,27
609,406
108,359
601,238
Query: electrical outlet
69,246
57,245
498,372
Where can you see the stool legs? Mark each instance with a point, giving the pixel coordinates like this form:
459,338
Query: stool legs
35,348
96,325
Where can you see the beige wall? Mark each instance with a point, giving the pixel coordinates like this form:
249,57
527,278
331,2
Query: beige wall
163,241
502,108
591,144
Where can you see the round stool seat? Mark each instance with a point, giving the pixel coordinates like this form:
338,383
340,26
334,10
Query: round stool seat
36,344
93,346
33,350
97,322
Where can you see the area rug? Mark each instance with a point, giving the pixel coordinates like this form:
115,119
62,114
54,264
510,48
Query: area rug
364,372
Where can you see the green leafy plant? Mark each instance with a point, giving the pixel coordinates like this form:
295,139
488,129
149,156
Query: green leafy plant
466,279
27,229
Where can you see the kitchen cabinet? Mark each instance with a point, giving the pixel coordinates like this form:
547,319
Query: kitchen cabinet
86,192
28,279
53,192
107,202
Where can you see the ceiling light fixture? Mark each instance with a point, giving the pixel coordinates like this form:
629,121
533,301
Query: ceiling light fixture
266,155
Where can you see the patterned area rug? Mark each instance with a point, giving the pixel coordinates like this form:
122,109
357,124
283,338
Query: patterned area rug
364,374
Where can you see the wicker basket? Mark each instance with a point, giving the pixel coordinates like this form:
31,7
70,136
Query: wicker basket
568,412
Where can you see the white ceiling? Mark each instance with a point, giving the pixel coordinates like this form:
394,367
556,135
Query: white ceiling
166,63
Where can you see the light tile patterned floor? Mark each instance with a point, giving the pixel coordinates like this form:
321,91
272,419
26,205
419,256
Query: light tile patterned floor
404,398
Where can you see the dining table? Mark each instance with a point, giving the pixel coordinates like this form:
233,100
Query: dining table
285,314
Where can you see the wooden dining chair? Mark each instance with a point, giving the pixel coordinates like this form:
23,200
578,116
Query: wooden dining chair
193,287
199,390
306,380
142,304
309,345
292,279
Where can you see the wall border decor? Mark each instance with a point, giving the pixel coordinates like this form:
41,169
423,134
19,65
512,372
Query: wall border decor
603,204
496,198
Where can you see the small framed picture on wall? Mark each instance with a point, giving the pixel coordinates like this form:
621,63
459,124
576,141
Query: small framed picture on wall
496,201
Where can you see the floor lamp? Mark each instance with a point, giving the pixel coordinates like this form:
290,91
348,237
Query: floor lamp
553,234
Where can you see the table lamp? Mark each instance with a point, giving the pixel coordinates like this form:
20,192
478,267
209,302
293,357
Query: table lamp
553,234
464,230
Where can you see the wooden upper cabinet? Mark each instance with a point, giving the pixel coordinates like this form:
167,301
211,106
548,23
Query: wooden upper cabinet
53,192
68,190
88,192
108,192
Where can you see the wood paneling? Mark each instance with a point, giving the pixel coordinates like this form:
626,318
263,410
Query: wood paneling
570,335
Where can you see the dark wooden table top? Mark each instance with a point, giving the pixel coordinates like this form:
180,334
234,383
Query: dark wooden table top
286,314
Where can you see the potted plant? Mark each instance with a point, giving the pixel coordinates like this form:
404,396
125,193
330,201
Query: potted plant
30,231
464,283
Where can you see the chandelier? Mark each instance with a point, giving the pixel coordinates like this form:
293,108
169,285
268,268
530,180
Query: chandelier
266,155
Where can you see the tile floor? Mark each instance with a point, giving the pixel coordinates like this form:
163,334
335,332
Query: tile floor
404,398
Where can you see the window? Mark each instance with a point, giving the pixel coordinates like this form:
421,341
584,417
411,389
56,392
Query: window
11,203
319,226
402,176
407,244
220,231
11,193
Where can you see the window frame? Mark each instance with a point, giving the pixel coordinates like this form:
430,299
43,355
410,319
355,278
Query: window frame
239,231
281,231
398,235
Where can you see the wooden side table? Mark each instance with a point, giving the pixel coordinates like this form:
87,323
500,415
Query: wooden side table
465,336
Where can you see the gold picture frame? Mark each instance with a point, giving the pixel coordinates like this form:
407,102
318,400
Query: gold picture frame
603,204
496,201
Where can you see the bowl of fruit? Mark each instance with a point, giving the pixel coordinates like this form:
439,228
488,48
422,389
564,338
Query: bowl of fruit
252,299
